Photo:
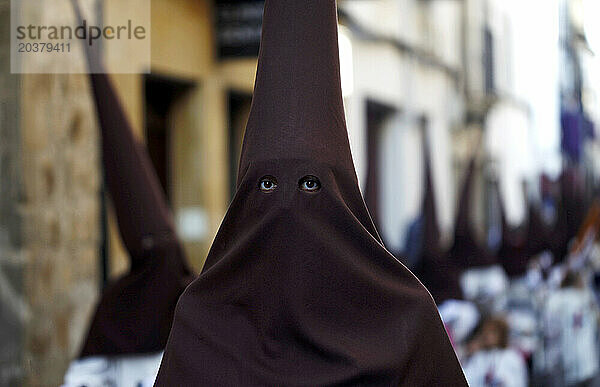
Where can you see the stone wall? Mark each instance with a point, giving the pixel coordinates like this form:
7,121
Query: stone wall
50,178
49,216
13,310
61,220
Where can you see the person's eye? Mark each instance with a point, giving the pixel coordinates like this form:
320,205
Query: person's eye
309,184
267,184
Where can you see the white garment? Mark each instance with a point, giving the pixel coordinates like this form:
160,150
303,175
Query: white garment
485,285
571,327
121,371
460,318
524,331
495,368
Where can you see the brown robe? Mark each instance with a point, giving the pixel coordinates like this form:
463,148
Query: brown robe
135,312
298,289
435,269
467,251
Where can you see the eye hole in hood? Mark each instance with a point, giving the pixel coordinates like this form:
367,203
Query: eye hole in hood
267,184
309,184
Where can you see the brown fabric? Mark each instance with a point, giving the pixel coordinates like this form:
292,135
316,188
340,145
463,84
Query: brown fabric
571,211
568,194
298,289
514,254
434,267
467,251
573,199
135,312
537,232
557,240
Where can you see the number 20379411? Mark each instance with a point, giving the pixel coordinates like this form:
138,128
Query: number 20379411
43,47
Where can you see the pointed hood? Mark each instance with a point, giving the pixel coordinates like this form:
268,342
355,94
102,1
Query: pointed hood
513,253
467,251
135,312
557,239
434,269
573,200
297,288
571,211
431,229
537,231
297,110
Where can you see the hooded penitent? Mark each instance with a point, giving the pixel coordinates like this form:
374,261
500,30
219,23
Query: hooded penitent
434,268
557,236
573,200
514,250
537,231
467,252
135,312
298,289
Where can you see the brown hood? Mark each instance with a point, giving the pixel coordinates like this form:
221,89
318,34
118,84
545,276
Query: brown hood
435,269
467,251
135,312
298,288
514,252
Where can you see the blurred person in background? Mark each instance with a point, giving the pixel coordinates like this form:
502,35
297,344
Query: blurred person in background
132,321
460,319
571,316
491,362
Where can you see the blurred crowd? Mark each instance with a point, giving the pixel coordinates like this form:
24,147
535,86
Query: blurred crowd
538,328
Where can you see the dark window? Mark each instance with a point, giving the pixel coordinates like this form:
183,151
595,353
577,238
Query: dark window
161,93
239,109
377,115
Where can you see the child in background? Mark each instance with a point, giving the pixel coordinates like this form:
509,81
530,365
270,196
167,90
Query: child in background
492,363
